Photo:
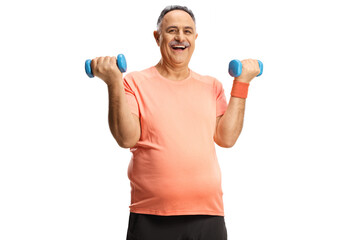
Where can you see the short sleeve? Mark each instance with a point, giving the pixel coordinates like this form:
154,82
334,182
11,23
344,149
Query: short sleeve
221,103
130,96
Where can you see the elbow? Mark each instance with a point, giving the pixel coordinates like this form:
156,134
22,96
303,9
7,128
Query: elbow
129,143
228,145
225,144
121,143
230,141
126,144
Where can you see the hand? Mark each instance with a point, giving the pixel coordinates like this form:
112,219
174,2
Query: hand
250,69
106,69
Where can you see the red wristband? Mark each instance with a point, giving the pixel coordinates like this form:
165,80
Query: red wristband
239,89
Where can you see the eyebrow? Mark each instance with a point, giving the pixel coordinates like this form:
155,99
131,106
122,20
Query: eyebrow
187,27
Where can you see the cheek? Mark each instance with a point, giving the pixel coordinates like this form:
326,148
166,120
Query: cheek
192,45
165,44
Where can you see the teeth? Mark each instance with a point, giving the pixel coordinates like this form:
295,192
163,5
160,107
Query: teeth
183,47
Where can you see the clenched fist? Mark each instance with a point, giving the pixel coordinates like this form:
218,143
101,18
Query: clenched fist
106,69
250,69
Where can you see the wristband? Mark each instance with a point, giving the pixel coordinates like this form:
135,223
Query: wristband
239,89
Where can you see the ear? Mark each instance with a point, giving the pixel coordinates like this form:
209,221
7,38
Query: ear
157,36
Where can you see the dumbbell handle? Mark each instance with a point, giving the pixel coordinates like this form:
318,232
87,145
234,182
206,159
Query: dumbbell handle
235,68
121,63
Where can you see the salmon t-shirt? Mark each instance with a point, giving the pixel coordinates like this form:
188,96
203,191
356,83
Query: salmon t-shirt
174,169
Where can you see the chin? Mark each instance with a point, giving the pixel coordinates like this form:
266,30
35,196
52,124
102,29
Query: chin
180,60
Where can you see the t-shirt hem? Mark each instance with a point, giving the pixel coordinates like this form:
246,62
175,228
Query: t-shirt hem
176,212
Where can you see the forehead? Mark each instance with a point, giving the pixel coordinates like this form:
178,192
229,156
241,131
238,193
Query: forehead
178,18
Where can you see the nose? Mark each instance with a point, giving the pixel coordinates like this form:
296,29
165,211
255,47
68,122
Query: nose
180,36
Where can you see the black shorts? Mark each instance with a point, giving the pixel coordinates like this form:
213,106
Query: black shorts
182,227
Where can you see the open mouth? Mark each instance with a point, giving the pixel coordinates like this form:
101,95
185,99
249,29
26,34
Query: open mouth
179,47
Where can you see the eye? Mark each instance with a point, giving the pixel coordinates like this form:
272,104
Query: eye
171,31
188,32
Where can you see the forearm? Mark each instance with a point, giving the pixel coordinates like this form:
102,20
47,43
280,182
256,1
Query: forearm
121,122
231,123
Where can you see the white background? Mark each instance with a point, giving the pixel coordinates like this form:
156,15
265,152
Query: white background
294,171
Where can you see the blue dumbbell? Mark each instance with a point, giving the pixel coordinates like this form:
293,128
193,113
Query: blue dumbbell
235,68
121,63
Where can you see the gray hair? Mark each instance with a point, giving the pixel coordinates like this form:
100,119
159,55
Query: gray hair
171,8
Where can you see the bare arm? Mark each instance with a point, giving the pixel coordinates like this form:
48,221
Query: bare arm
229,125
124,125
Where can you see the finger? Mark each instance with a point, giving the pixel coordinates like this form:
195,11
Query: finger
256,66
104,61
100,61
94,65
113,60
100,64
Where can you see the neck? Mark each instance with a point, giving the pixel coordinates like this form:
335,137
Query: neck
176,73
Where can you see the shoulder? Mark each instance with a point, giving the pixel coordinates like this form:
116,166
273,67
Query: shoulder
136,77
207,79
204,78
137,74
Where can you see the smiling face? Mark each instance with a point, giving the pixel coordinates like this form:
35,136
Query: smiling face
176,38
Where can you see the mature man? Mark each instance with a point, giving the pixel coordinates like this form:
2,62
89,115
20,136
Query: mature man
169,116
